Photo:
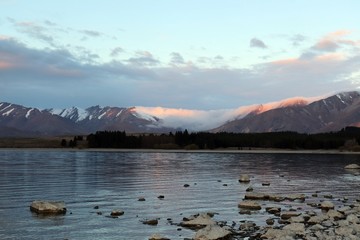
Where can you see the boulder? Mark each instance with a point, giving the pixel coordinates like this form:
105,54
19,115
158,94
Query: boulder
48,207
244,178
297,228
200,221
335,215
212,232
326,205
251,205
352,166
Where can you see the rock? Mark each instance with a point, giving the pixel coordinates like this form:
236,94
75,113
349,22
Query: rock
197,222
345,231
335,215
297,228
48,207
352,166
293,197
250,189
273,210
161,197
150,222
317,219
244,211
326,205
256,196
278,234
141,199
247,226
265,184
289,214
158,237
116,213
212,232
186,185
244,178
270,221
298,219
251,205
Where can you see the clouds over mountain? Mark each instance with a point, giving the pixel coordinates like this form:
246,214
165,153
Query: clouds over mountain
142,78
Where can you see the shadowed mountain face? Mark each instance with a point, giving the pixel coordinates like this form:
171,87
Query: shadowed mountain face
329,114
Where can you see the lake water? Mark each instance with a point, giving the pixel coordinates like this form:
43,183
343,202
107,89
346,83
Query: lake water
115,180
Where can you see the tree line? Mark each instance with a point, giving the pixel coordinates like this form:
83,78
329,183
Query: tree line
348,137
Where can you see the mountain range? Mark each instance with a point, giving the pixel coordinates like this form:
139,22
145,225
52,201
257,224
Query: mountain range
297,114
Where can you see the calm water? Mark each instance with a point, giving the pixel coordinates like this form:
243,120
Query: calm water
113,180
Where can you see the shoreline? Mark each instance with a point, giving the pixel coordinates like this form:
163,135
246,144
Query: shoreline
232,151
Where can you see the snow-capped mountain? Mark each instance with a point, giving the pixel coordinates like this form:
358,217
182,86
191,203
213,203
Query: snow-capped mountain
295,114
329,114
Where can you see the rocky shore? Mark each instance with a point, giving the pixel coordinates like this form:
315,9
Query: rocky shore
286,216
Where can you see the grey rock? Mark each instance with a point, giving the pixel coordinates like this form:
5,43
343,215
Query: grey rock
212,232
48,207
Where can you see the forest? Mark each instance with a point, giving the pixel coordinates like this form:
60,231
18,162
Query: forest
348,138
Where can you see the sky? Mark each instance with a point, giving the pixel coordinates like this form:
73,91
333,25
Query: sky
188,54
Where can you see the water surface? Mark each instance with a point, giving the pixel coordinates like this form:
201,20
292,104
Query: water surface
115,180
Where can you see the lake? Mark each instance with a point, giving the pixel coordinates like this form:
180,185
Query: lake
115,180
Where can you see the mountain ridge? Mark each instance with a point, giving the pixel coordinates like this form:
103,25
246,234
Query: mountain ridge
316,115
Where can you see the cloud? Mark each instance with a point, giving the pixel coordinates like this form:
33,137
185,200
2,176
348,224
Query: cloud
257,43
333,41
35,31
116,51
60,76
143,59
297,39
91,33
176,59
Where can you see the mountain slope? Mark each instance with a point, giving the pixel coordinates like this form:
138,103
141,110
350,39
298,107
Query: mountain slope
330,114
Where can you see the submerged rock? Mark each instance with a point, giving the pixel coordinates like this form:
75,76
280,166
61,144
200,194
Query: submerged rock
48,207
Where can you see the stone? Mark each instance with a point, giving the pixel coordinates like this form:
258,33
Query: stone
297,228
150,222
272,233
161,197
199,221
48,207
265,184
293,197
273,210
270,221
326,205
247,226
251,205
186,185
318,219
352,166
212,232
335,215
141,199
244,178
158,237
256,196
116,213
289,214
250,189
298,219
